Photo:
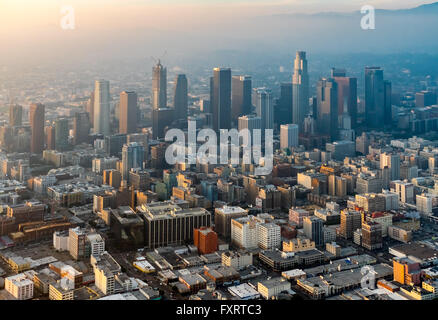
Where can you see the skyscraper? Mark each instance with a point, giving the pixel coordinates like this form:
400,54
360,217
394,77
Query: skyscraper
128,112
132,157
61,134
221,98
250,122
161,118
264,106
392,161
180,97
159,86
313,229
388,102
327,108
15,115
347,95
300,92
81,127
288,136
283,105
90,109
241,96
36,118
374,97
102,107
50,137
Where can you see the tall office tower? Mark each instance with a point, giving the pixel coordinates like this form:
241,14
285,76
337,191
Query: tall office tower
90,109
180,97
374,97
114,144
371,235
159,86
388,103
313,229
300,92
132,157
249,122
220,99
392,161
327,100
161,118
128,112
36,118
102,107
15,115
288,136
81,127
347,95
61,134
283,105
425,98
264,105
204,106
50,137
350,222
241,97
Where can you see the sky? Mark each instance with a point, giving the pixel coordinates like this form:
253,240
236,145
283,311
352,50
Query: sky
31,28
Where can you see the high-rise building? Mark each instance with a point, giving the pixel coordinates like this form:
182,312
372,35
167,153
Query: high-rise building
350,221
50,137
327,108
180,97
264,106
347,95
288,136
161,118
15,115
220,98
167,224
36,117
241,96
159,86
387,117
300,92
81,127
250,122
374,97
90,109
132,157
392,161
128,112
371,235
102,107
313,229
425,98
205,239
283,105
61,134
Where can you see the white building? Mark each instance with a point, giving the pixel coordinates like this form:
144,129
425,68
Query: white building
97,244
102,107
426,202
288,136
405,191
269,236
244,232
264,106
60,240
271,288
20,285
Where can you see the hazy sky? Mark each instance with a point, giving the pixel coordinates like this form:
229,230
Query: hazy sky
18,15
31,28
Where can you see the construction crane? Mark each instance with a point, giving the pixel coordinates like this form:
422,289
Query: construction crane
158,60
